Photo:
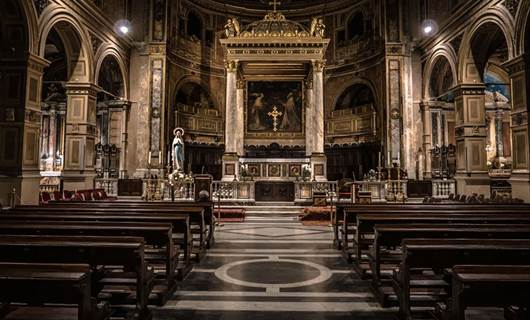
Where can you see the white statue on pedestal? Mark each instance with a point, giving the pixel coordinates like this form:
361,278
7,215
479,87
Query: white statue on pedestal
178,150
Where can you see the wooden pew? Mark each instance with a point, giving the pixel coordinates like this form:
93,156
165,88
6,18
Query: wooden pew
365,226
156,235
439,254
39,284
346,214
180,222
207,207
391,236
127,252
196,214
486,286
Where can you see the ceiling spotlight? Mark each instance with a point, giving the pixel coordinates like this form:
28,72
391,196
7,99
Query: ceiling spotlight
429,27
122,27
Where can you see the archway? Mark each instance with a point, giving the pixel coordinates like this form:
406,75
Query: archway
111,125
195,111
352,133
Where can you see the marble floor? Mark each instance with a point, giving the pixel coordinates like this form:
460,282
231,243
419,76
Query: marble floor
272,267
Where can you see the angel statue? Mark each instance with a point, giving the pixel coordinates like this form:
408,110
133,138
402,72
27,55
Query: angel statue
232,27
178,149
318,28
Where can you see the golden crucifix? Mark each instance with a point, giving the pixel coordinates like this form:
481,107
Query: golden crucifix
274,3
274,114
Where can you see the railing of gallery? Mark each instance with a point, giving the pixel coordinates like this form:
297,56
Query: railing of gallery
442,188
244,191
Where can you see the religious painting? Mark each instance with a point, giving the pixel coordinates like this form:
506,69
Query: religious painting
274,108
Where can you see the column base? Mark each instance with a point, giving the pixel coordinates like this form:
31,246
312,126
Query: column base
27,189
468,184
230,167
520,181
78,181
319,167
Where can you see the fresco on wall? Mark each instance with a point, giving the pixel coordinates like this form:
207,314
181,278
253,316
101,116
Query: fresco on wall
274,107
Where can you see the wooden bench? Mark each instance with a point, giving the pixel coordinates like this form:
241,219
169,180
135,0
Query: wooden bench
127,252
196,213
39,284
363,236
207,207
439,254
161,253
486,286
345,219
389,237
180,222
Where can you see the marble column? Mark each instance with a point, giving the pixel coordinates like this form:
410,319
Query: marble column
470,107
427,139
119,109
80,139
318,158
231,157
240,118
309,107
519,70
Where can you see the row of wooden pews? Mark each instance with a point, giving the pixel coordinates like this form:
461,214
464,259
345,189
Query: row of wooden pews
413,253
133,253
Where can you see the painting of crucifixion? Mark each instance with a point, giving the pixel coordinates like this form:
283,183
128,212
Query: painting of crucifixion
274,107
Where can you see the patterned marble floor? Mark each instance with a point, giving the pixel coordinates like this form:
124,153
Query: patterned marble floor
272,267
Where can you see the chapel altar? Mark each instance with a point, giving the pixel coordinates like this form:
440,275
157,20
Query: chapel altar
274,96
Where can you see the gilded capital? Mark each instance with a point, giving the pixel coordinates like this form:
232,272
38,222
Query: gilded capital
319,65
231,65
241,84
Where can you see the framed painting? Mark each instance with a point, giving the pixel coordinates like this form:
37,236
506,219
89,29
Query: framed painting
275,109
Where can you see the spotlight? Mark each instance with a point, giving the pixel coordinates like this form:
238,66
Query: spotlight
429,27
122,27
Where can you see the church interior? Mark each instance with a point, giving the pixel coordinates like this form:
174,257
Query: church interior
265,159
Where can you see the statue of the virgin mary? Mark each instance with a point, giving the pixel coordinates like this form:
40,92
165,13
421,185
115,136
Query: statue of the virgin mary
178,150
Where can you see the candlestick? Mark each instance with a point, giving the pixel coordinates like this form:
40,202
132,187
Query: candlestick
159,157
389,160
379,159
149,159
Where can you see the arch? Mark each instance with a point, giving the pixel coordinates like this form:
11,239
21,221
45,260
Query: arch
32,25
109,51
75,38
355,25
522,27
354,96
440,54
497,17
359,81
14,30
197,81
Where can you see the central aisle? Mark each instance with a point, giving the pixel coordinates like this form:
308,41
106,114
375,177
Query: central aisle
272,267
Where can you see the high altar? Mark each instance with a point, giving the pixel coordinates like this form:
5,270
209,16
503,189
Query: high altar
274,96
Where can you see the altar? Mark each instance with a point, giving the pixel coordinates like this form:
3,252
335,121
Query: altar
274,95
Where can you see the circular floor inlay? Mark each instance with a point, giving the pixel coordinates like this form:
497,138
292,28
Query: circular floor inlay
273,273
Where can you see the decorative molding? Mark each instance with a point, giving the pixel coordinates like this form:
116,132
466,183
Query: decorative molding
512,6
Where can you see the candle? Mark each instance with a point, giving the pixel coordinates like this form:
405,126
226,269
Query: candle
389,160
160,156
149,158
399,156
379,160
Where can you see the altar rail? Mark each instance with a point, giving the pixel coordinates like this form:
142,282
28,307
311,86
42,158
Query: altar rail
244,191
441,189
110,185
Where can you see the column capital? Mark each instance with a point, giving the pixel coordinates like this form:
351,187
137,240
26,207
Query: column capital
240,84
517,64
231,65
469,89
318,65
77,88
123,104
37,63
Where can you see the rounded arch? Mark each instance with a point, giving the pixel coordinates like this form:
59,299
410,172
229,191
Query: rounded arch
194,24
522,27
32,25
443,54
355,25
15,38
194,81
76,39
497,18
358,81
107,52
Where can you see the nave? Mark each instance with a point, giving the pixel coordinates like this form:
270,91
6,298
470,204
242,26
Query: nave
273,267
